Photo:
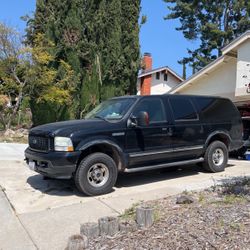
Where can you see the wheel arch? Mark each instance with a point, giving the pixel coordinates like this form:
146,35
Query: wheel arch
219,136
107,147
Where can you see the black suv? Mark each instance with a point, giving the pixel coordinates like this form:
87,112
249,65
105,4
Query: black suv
136,133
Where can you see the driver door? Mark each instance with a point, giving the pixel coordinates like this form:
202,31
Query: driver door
151,143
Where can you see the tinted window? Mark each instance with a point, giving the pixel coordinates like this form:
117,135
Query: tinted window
157,75
216,109
183,109
153,107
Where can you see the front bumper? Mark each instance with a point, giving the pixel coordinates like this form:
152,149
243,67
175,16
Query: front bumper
53,164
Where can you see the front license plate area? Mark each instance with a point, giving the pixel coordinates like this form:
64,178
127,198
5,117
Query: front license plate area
32,165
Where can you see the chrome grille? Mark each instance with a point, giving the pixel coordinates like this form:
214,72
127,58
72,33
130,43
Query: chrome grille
39,143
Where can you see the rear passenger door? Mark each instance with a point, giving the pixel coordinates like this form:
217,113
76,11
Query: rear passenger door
187,132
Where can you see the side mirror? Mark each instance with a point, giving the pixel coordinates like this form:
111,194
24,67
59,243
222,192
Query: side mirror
143,119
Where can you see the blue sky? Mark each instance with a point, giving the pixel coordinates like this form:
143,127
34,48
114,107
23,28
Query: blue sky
157,36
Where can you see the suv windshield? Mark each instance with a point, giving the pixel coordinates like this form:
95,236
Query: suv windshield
113,109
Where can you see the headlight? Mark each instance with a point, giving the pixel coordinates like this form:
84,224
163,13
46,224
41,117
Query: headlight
63,144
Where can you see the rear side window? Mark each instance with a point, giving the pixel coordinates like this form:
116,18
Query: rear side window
154,108
214,109
183,109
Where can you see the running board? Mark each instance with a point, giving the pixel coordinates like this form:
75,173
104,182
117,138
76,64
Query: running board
172,164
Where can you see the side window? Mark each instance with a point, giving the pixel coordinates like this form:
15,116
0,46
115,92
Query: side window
165,77
157,75
215,109
182,109
154,108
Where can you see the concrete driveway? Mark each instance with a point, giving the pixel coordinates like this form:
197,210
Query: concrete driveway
42,214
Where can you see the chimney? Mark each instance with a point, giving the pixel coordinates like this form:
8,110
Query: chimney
147,61
146,80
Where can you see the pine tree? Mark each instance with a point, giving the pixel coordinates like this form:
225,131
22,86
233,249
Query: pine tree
213,23
130,44
99,39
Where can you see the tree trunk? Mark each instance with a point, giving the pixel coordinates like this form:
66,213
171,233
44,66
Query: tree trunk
19,99
145,216
16,107
108,225
2,121
77,242
91,230
184,71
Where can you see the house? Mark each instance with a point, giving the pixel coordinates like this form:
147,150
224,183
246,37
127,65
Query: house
156,81
227,76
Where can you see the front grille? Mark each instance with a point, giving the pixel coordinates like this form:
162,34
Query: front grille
39,143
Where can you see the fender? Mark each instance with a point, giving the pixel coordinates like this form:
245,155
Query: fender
218,132
86,144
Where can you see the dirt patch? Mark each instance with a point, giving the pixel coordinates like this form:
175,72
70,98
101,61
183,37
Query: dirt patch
219,218
17,136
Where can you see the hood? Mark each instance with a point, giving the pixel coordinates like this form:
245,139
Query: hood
66,128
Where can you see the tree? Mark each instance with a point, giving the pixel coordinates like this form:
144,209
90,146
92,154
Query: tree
213,23
49,90
61,23
98,39
13,77
26,72
130,44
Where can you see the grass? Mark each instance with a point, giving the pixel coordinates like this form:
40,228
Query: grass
157,214
237,226
229,199
201,198
130,213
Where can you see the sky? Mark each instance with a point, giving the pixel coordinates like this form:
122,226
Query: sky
157,36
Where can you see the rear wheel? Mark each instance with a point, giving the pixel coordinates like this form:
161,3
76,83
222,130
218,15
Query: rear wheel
216,157
96,174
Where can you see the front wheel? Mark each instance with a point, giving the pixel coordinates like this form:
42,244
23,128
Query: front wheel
216,157
96,174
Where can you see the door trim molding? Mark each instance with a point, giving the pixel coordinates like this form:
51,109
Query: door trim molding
132,155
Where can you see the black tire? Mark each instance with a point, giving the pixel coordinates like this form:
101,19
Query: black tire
211,162
83,177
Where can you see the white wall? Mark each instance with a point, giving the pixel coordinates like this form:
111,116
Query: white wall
159,87
138,86
220,82
243,70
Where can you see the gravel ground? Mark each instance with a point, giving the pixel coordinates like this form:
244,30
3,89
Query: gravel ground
218,219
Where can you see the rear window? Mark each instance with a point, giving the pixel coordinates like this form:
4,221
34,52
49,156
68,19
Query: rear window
216,109
183,109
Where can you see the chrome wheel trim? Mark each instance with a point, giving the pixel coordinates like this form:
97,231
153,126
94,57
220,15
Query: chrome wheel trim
98,175
218,157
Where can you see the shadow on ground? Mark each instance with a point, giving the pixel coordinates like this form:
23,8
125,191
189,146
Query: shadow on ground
53,186
67,187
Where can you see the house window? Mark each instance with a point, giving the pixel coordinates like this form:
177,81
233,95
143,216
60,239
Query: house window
165,77
158,75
